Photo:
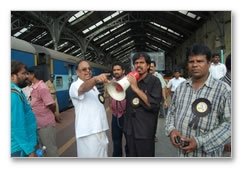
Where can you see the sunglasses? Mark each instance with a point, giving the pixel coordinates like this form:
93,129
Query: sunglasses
86,69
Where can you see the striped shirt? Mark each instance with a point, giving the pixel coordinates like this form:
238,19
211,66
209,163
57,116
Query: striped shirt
226,79
214,130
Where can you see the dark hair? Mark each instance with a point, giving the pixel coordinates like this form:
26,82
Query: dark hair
16,67
228,62
82,60
119,64
152,61
141,54
215,54
177,70
36,71
199,49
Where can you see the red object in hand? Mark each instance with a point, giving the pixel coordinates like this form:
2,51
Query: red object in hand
134,73
119,88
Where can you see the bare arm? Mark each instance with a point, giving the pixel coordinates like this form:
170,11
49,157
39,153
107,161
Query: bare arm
169,90
89,84
52,107
164,96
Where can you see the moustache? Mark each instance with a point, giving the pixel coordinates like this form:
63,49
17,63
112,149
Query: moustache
139,68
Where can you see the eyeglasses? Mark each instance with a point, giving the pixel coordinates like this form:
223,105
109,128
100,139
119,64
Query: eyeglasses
86,69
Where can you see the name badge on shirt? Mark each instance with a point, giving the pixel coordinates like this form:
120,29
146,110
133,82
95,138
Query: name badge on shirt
135,102
200,107
101,98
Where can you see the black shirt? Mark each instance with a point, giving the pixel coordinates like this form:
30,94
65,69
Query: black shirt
141,120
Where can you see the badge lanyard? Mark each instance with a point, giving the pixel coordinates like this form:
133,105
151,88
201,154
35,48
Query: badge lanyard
200,108
118,122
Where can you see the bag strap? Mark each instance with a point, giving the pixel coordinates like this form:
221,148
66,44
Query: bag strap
17,92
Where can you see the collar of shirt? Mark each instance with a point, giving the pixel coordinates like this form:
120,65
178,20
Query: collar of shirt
37,84
13,85
157,74
207,83
146,79
80,80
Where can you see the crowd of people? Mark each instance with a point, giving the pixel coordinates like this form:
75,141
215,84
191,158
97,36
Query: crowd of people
198,117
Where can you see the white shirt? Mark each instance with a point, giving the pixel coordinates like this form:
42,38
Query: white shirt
90,114
217,70
174,83
27,90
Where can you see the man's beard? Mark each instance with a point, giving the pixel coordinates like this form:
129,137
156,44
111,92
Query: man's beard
117,76
23,84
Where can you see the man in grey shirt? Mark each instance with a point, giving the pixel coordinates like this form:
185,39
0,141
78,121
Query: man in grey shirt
199,118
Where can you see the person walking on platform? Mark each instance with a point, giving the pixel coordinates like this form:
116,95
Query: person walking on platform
44,108
143,102
175,82
23,121
164,104
217,69
199,117
52,90
118,110
90,115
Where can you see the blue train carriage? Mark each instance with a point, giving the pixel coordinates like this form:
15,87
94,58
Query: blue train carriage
52,62
22,51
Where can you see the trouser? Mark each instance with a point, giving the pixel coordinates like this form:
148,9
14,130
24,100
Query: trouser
140,147
93,146
47,137
117,133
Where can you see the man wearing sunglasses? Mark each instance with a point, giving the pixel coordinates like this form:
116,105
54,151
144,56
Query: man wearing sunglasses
90,116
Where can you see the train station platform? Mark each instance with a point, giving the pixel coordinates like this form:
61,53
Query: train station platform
66,140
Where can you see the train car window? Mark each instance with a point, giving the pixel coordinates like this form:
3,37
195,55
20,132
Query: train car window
59,82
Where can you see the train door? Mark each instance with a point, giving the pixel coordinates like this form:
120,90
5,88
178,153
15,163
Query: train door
43,62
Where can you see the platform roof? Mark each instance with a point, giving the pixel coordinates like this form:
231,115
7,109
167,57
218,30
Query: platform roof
105,36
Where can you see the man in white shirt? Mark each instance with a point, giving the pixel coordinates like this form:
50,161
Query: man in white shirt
175,82
90,115
217,69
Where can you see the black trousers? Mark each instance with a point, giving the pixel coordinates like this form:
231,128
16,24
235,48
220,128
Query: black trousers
117,133
140,147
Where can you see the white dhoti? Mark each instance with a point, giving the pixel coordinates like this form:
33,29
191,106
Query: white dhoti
93,146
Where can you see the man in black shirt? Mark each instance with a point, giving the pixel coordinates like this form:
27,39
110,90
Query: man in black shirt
143,103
